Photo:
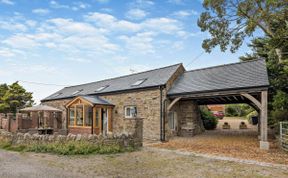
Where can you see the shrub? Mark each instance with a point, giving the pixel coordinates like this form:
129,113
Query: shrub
250,115
209,120
67,148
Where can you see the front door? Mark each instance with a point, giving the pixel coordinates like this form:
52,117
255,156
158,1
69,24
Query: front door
104,121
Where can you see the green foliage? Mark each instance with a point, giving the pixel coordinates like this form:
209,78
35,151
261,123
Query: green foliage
250,115
280,115
66,148
238,110
280,100
209,120
230,21
14,97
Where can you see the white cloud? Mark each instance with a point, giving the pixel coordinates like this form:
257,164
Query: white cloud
5,52
185,13
20,41
111,23
136,14
41,11
56,5
162,25
80,5
140,43
12,26
8,2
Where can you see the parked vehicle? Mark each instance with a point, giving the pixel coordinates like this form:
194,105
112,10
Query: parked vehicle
218,114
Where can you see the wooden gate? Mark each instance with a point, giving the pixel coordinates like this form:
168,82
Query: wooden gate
284,135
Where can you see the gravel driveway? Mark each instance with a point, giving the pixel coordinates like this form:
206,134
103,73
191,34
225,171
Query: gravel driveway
144,163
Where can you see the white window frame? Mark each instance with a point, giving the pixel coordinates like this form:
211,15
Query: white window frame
173,119
131,115
139,82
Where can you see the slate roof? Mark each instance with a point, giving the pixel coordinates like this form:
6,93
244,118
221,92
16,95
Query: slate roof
241,75
96,100
153,78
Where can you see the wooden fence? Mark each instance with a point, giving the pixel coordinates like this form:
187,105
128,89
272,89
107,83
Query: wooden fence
284,135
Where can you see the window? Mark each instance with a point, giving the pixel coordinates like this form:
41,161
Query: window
79,115
72,116
98,111
88,115
102,88
130,112
172,120
76,92
139,82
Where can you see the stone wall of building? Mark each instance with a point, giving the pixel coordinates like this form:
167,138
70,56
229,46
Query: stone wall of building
189,121
148,110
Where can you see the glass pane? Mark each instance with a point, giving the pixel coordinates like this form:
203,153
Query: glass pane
72,116
79,115
128,112
88,115
97,118
133,111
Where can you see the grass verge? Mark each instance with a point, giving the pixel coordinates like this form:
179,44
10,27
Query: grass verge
66,148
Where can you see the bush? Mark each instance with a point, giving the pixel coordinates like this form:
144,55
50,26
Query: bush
209,120
280,115
238,110
250,115
67,148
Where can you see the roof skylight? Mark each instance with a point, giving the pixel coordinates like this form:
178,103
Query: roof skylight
139,82
76,92
102,88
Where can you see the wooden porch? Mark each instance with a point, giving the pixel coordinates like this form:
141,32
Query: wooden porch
89,115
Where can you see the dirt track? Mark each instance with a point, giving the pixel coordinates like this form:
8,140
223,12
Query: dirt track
145,163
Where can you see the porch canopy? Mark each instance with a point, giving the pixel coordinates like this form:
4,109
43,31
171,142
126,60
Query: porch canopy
244,82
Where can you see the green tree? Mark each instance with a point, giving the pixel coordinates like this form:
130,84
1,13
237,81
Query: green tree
14,97
230,21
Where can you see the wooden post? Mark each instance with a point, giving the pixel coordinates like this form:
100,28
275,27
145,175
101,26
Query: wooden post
264,144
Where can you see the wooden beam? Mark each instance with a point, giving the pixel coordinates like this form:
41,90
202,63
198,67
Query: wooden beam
221,98
252,99
235,98
173,103
264,123
228,98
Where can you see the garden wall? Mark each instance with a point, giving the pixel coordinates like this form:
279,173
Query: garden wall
27,138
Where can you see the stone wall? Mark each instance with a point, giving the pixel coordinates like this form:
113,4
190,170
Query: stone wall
188,118
27,138
148,112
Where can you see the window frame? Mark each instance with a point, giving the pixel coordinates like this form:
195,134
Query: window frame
130,116
174,118
139,82
73,107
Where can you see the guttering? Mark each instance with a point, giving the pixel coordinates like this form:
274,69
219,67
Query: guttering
162,122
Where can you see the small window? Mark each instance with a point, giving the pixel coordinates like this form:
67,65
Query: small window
139,82
172,120
130,111
102,88
76,92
